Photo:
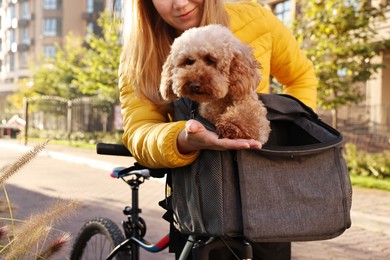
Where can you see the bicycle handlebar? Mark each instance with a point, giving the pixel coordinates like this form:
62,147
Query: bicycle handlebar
112,149
121,150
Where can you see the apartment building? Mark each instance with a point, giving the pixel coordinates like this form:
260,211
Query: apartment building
31,28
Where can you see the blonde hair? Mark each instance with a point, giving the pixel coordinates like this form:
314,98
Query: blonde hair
146,43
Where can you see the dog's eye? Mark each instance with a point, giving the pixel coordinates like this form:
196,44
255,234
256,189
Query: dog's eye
189,61
210,60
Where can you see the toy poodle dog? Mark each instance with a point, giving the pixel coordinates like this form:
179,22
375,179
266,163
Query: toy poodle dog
209,65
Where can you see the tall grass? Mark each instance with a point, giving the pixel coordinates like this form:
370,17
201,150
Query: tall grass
35,237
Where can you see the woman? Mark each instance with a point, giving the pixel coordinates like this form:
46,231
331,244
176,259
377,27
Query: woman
150,27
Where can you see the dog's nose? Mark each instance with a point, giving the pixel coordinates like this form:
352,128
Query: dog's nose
195,86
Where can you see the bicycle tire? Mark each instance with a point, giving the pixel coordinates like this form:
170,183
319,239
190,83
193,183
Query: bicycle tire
96,239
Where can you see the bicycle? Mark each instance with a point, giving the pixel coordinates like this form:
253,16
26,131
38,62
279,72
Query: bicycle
101,238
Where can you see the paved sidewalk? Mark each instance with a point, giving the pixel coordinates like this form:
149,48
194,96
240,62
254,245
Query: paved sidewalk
370,208
368,238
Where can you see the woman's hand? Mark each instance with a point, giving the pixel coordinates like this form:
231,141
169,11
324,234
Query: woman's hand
196,137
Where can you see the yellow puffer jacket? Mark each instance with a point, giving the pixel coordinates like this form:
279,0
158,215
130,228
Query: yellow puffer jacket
152,140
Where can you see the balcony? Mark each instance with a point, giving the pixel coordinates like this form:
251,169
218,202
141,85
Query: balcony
25,20
90,17
25,44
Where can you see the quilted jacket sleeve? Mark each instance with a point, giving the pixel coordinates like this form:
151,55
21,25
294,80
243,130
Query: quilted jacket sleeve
148,136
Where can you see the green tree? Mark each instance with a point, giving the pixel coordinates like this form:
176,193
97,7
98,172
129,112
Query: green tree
341,39
81,67
53,76
98,74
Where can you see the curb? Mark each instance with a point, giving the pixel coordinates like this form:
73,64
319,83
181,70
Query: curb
101,164
97,164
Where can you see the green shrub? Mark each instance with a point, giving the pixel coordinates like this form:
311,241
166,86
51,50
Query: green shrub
362,163
90,138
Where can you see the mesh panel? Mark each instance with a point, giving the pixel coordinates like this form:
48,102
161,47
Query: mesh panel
205,196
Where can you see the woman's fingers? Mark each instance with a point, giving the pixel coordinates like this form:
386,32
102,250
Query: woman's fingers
197,137
238,144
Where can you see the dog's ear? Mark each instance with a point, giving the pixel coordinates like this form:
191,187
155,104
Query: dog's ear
166,83
244,71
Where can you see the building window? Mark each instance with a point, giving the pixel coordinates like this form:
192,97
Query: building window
51,4
23,60
90,29
95,6
12,37
283,11
25,10
12,12
24,35
11,15
12,41
52,27
90,4
118,8
11,61
49,51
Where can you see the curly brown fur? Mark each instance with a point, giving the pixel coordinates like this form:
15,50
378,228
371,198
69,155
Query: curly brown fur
212,67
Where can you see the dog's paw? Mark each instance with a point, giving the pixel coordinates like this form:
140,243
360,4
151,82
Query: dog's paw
230,131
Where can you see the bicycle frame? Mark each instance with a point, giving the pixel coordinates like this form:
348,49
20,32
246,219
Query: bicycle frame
135,228
153,248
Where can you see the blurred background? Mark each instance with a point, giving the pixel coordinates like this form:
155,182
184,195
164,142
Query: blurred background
59,62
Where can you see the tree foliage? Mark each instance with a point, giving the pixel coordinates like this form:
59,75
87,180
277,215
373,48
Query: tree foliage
81,67
98,74
341,39
55,76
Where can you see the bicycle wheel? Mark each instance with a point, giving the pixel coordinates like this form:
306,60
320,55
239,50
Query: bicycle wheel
96,239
